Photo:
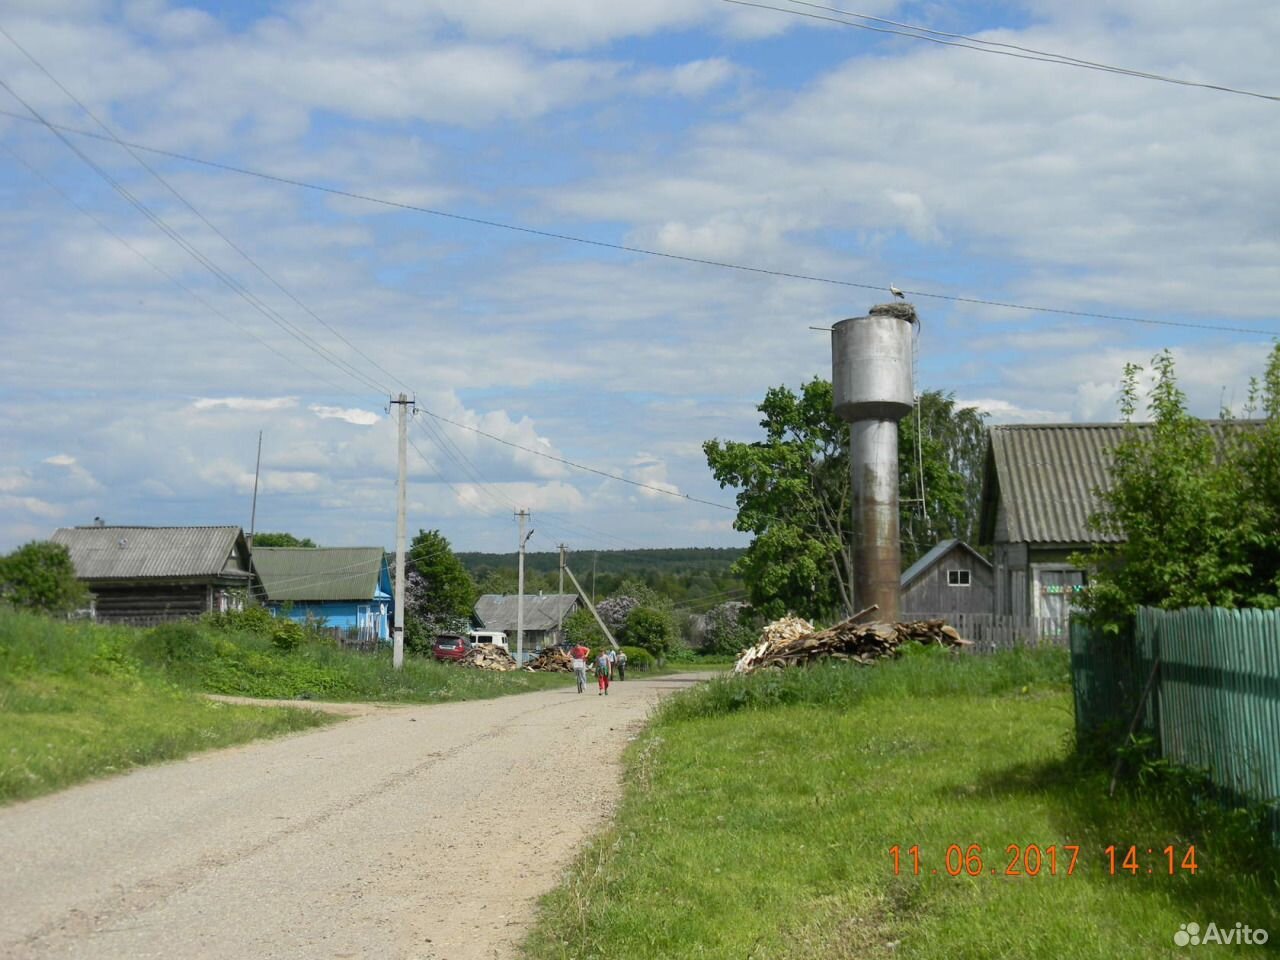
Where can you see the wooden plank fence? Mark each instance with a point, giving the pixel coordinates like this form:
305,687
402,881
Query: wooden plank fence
1215,702
989,632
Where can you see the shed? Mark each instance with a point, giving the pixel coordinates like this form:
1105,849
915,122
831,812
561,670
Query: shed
951,578
343,587
152,574
542,615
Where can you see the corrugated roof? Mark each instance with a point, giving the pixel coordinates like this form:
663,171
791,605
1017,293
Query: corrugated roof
933,556
1045,476
498,611
128,553
319,573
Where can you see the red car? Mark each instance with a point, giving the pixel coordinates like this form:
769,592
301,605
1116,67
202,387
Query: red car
449,646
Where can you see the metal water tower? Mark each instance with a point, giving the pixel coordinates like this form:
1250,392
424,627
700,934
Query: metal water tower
871,377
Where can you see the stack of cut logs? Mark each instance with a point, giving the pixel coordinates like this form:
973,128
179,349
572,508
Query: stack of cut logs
791,641
487,656
552,660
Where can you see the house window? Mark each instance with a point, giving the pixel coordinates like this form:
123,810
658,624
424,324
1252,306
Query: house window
957,578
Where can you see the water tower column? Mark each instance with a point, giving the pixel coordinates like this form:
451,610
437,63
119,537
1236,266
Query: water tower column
871,378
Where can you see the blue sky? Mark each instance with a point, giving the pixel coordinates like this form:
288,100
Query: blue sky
690,127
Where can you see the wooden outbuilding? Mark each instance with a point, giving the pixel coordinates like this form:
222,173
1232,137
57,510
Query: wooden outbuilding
952,578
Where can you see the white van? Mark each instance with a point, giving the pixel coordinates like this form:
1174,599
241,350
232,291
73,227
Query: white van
496,637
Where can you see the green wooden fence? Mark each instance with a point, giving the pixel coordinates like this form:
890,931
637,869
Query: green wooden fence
1215,702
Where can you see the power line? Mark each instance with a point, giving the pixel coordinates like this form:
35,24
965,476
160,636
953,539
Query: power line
164,273
644,251
185,202
990,46
230,281
578,466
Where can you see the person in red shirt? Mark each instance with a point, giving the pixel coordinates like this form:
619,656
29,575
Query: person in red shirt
580,654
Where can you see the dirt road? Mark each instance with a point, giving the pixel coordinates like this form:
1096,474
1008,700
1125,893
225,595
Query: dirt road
422,832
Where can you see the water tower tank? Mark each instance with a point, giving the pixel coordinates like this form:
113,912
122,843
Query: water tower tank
871,364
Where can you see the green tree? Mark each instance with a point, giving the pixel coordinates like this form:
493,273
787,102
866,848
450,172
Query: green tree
795,494
501,582
281,540
940,456
40,576
651,630
581,627
438,587
1191,512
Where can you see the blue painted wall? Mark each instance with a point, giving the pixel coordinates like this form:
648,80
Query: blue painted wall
339,613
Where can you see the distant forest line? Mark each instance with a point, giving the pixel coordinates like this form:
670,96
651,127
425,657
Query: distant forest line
692,578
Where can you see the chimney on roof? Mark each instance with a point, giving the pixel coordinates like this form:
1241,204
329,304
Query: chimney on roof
99,522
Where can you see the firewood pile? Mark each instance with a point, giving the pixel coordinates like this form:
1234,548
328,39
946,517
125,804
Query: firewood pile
786,642
486,656
551,660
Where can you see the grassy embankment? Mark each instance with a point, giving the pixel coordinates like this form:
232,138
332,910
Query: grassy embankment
79,701
760,814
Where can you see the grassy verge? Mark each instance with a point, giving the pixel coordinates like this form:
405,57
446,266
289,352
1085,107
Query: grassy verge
761,811
75,703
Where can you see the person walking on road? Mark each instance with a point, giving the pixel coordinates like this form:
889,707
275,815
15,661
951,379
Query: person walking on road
602,674
622,664
579,654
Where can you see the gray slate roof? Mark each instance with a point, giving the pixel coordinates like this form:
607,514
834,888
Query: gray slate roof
130,553
940,550
497,611
319,574
1044,476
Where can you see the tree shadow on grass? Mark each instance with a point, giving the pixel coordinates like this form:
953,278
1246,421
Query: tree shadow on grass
1238,867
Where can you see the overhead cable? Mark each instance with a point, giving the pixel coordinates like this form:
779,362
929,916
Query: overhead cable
644,251
988,46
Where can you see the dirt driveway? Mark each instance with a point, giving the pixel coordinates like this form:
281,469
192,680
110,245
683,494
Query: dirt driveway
419,832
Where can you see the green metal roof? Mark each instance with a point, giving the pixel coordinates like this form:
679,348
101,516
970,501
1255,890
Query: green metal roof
319,573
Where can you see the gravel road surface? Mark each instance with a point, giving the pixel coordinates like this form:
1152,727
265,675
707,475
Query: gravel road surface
419,832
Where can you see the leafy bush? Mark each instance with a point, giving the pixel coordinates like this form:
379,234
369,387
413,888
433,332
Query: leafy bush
654,630
730,629
287,635
581,627
253,619
39,576
638,659
171,643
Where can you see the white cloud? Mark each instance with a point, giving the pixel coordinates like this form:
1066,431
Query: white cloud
362,418
1003,411
247,404
60,460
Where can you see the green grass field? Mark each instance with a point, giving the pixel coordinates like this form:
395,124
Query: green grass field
79,701
761,812
76,703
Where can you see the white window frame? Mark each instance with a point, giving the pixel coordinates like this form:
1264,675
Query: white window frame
958,573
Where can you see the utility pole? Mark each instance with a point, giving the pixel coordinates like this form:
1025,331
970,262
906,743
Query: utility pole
253,511
560,602
397,647
524,538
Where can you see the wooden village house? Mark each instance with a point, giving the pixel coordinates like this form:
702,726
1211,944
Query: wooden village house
543,615
147,575
345,588
1039,488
